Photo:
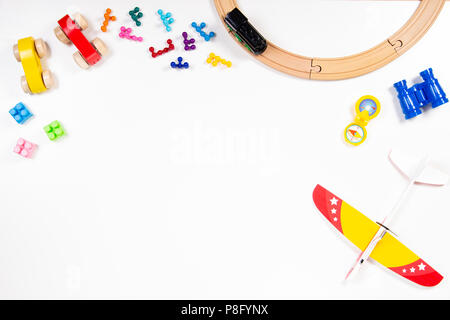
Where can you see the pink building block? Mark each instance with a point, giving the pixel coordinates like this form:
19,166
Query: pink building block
126,33
24,148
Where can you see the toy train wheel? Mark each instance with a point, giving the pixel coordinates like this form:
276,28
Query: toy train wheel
47,78
81,21
16,52
80,60
100,46
24,85
41,48
59,33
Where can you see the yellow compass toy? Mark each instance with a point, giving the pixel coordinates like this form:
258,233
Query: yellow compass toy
367,108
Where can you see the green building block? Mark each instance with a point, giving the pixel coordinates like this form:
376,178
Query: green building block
54,130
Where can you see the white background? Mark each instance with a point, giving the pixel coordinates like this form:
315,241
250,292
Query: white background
197,183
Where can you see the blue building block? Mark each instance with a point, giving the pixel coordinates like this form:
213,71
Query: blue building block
20,113
420,94
199,29
179,65
166,19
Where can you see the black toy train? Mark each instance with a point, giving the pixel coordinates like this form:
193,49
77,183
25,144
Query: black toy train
245,32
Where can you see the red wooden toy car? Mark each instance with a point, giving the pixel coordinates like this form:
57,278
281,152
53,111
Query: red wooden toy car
89,53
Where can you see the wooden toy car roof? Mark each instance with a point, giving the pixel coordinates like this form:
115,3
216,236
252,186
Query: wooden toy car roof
349,66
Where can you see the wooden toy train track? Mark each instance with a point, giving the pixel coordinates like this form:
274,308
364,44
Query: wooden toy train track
329,68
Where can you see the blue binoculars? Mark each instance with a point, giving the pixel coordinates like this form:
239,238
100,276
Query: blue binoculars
420,94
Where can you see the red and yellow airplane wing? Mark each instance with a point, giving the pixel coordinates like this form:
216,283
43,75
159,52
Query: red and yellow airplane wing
360,230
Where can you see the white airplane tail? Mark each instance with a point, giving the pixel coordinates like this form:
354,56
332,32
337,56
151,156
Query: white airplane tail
407,165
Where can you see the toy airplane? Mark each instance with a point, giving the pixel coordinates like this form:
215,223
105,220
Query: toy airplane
375,240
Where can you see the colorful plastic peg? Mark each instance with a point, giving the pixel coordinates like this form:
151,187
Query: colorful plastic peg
54,130
165,50
367,108
215,60
179,65
126,33
108,18
199,29
25,148
20,113
136,15
188,43
166,19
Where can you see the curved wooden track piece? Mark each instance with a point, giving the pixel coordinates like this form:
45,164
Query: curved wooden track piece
349,66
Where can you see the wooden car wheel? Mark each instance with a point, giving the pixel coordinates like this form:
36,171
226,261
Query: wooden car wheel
16,52
24,85
100,46
80,60
59,33
47,78
41,48
81,21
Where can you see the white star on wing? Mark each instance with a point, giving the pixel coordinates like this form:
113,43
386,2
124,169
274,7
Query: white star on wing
334,201
335,219
421,266
412,270
404,270
333,211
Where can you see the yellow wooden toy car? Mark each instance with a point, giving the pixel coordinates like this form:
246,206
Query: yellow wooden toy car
29,52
